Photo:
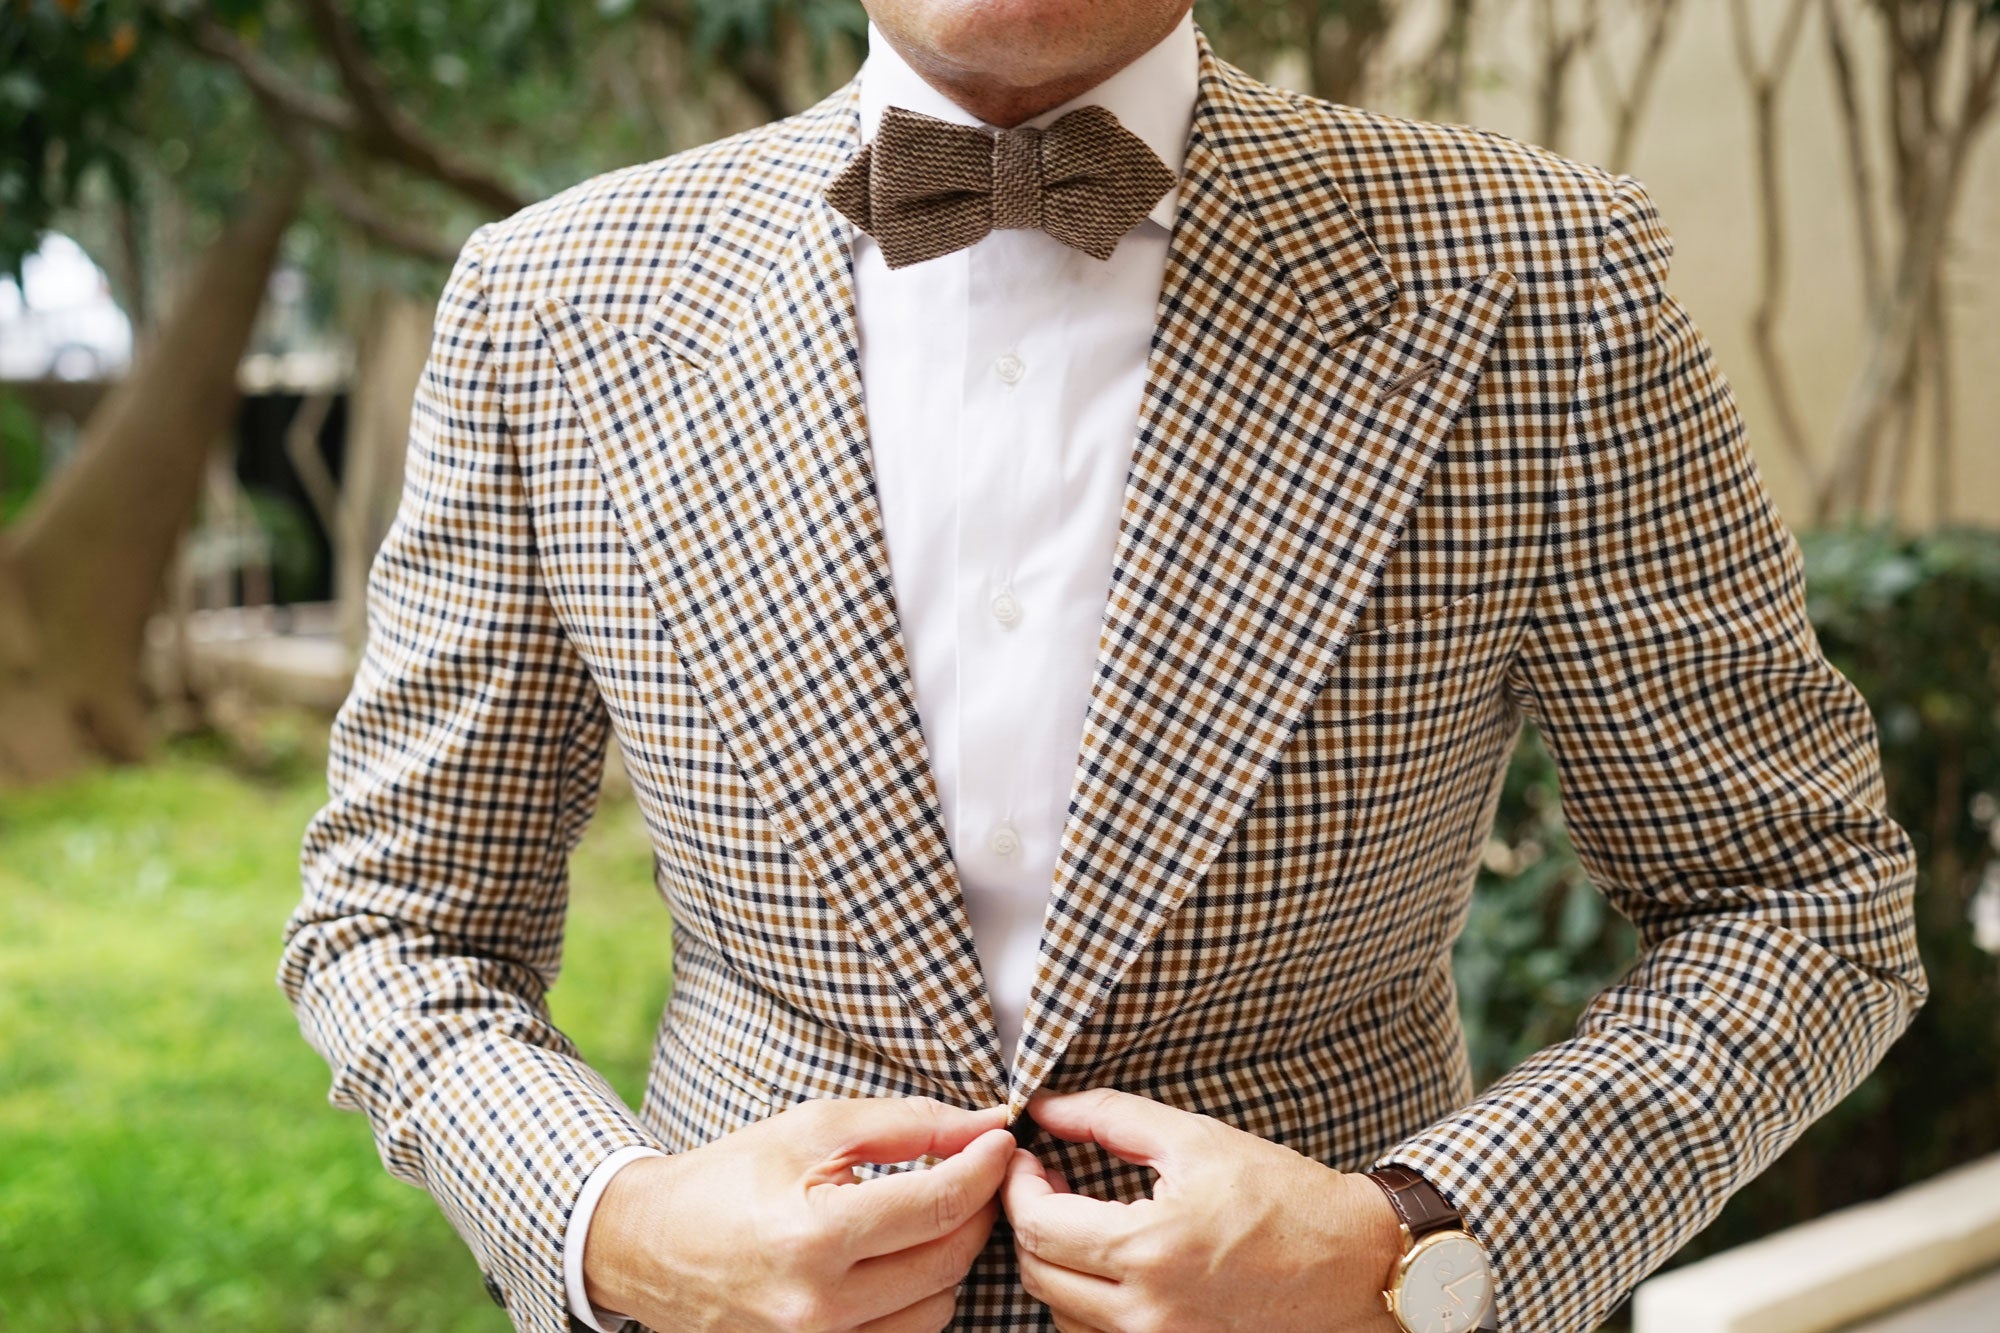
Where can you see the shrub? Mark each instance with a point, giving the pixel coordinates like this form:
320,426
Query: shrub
1914,622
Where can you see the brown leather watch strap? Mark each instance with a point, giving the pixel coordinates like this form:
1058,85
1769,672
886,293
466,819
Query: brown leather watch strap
1422,1209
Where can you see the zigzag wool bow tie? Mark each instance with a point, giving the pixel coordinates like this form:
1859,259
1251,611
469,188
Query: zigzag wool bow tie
923,187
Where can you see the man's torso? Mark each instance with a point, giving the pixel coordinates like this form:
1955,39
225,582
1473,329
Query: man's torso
1346,454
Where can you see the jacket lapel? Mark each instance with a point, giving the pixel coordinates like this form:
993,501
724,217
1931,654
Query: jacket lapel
731,433
1282,439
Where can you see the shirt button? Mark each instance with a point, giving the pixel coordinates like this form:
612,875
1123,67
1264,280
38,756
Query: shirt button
1006,609
1003,840
1009,367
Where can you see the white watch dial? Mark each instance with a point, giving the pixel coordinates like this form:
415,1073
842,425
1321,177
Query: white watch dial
1446,1285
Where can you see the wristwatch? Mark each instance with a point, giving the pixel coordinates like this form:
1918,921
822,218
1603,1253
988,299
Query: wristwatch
1442,1283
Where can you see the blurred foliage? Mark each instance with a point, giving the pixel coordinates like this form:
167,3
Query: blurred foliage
107,104
274,532
68,79
113,92
289,543
168,1157
734,33
21,457
175,1164
113,102
1914,622
113,902
1539,941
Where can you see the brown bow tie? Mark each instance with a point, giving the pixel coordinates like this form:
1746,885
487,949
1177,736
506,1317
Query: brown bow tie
924,187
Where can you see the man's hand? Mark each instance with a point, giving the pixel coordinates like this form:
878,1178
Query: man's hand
1239,1233
769,1228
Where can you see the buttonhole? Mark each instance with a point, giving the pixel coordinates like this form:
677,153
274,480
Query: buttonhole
1424,370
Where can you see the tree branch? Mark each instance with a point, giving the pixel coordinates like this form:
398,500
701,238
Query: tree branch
1930,162
1441,73
1860,171
1764,81
352,203
350,200
1628,102
308,463
1943,426
1560,45
386,129
267,81
371,120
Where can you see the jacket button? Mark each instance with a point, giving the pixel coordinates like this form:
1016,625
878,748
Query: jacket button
493,1290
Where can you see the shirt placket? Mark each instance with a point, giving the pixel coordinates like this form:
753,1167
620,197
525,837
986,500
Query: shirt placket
1009,433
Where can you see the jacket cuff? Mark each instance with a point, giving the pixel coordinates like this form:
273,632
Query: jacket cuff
577,1231
511,1135
1434,1156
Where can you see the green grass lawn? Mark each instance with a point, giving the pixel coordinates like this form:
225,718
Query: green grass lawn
168,1159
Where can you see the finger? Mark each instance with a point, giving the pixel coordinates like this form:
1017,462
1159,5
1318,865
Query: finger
932,1314
905,1208
1078,1300
1053,1174
842,1131
1079,1233
893,1282
1135,1129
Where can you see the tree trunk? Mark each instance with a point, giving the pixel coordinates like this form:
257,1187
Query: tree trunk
1893,330
81,571
389,360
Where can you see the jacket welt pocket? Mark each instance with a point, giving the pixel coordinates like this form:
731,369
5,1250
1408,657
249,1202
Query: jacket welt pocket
1413,663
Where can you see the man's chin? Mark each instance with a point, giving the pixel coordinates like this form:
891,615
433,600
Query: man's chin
1022,44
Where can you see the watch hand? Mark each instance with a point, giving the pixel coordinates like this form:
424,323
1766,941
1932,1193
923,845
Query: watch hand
1474,1278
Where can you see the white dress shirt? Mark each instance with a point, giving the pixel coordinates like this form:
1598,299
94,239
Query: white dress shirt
1002,386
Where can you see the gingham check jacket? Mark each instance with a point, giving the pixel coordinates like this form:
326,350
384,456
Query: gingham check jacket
1425,446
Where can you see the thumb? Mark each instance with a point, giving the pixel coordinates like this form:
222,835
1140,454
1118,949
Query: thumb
1135,1129
890,1129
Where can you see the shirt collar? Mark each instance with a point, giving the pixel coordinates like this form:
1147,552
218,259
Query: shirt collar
1153,97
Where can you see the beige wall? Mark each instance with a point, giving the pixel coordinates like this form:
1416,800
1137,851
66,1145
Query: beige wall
1695,155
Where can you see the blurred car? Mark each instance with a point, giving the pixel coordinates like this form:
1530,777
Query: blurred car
60,321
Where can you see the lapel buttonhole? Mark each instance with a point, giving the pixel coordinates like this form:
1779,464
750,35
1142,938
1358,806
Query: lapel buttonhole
1421,373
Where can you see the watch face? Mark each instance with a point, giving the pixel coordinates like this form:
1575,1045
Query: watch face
1446,1285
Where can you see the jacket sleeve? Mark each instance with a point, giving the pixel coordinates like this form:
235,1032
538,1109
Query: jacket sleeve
1722,785
464,766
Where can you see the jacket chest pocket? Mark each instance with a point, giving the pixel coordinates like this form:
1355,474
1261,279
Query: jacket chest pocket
1419,665
1401,731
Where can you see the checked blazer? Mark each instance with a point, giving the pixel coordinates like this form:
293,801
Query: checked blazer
1425,447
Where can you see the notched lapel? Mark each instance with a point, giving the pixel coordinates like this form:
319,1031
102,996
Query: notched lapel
1284,435
734,448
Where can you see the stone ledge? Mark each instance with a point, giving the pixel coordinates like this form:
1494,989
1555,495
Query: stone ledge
282,654
1828,1273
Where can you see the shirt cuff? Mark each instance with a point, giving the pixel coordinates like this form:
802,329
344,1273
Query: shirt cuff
578,1230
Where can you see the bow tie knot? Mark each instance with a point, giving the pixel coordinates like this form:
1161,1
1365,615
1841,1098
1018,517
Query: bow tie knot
924,187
